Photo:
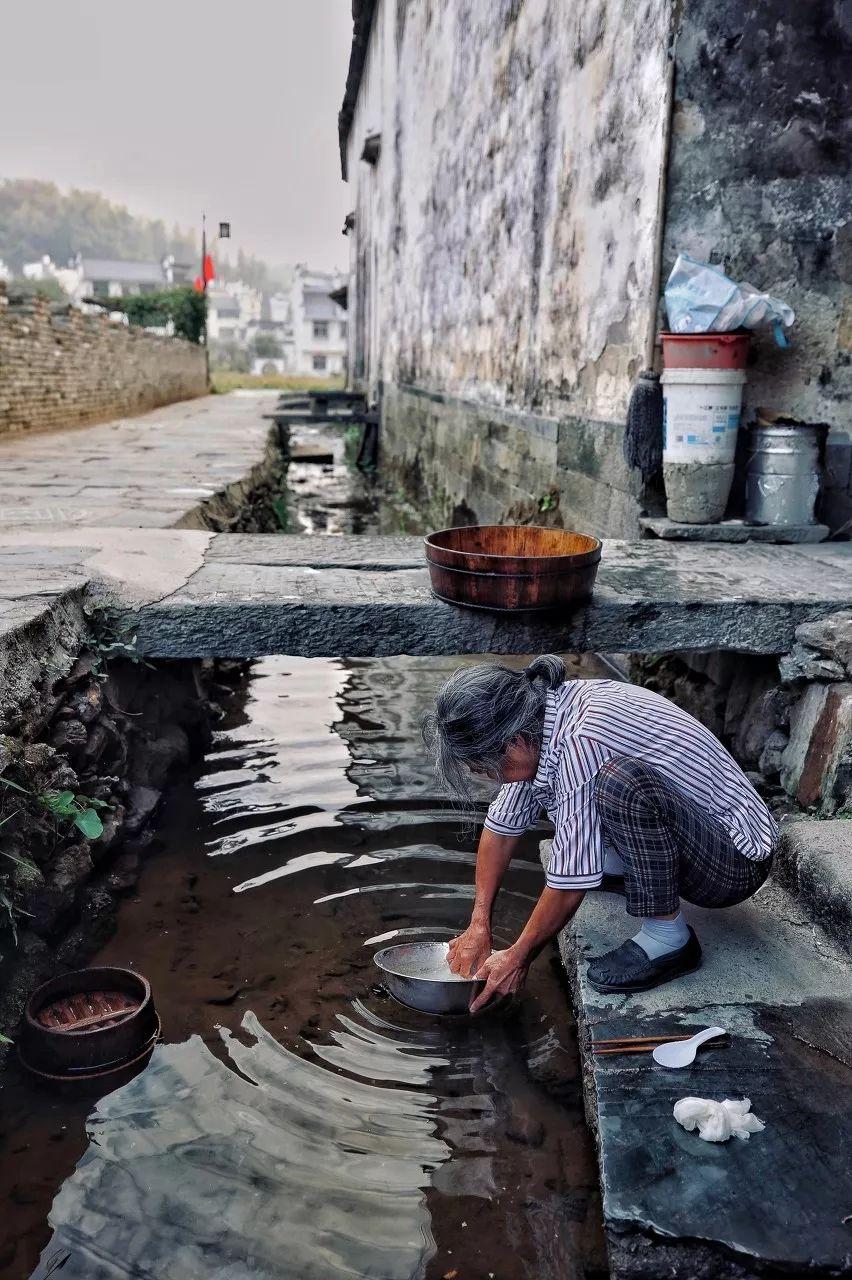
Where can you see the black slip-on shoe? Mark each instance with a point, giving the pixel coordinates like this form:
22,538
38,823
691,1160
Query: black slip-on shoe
628,968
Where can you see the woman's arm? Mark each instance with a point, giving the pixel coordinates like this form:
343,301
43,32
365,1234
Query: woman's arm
505,971
470,948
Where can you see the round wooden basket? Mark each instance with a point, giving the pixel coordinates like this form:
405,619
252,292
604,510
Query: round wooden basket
88,1024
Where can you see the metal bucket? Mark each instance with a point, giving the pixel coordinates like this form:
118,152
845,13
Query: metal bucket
783,475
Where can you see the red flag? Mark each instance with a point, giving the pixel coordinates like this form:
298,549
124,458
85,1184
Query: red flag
209,272
198,286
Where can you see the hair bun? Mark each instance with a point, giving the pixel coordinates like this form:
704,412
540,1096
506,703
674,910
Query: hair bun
548,668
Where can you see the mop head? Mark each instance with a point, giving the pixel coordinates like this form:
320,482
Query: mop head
643,432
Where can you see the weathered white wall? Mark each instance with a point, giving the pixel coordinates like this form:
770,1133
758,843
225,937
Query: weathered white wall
514,204
759,182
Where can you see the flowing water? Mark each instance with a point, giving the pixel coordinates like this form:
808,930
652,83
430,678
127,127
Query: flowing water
296,1122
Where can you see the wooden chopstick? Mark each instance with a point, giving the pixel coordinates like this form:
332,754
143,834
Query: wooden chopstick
643,1039
638,1045
649,1048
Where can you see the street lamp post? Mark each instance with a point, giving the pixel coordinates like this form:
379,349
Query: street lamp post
224,234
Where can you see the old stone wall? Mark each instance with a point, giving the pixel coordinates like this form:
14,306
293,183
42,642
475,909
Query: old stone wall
503,240
467,463
502,253
114,732
758,182
788,722
61,368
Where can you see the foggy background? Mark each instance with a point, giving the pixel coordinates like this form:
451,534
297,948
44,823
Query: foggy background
174,108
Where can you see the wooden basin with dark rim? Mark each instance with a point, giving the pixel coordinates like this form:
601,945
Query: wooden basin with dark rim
87,1022
512,568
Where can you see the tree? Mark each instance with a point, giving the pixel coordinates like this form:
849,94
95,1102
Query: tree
265,346
47,288
229,357
37,218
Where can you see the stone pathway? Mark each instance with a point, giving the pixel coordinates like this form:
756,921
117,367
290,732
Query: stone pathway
123,511
150,472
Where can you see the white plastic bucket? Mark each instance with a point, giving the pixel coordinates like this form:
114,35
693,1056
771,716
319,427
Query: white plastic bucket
701,414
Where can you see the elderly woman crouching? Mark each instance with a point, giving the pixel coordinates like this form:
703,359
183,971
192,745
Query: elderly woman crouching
642,797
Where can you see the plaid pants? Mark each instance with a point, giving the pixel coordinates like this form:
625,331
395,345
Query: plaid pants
671,848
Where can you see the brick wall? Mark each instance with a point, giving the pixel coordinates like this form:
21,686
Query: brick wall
60,368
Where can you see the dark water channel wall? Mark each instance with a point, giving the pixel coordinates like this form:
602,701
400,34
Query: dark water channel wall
113,732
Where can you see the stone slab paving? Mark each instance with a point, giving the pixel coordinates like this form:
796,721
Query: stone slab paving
673,1204
733,531
814,861
195,594
151,471
262,594
100,508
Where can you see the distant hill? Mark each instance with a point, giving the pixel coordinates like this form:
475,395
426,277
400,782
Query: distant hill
37,218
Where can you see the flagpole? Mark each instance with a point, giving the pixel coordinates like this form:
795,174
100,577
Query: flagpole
204,282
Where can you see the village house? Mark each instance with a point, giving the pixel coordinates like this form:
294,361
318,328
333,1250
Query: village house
119,278
513,170
86,277
320,329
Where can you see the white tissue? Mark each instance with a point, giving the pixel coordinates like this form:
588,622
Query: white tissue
716,1121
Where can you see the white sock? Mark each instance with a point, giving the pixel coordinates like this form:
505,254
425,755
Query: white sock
613,864
661,937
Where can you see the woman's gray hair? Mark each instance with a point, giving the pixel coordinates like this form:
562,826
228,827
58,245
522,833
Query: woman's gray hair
478,712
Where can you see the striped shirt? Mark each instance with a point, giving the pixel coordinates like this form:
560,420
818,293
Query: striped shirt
588,722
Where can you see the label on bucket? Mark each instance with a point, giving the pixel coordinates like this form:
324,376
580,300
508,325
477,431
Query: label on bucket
700,422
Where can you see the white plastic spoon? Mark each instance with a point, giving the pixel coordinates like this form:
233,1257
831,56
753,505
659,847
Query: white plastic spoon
679,1053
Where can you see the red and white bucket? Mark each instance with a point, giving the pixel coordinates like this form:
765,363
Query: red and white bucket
705,350
703,383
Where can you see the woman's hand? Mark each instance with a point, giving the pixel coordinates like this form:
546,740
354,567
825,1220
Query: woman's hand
504,972
468,951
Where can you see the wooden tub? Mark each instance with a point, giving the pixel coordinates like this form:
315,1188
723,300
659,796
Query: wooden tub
512,568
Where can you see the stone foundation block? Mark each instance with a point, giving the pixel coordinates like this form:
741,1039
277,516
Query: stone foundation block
816,766
814,860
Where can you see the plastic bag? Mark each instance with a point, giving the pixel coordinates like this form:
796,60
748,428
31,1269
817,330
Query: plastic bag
701,299
717,1121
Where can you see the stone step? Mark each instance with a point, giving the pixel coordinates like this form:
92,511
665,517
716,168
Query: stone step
679,1207
814,861
732,531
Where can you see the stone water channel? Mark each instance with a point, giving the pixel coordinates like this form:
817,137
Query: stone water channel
295,1121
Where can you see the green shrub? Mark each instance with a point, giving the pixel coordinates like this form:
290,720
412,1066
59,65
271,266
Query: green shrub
185,307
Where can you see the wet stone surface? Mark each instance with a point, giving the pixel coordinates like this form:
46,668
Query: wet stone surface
774,1205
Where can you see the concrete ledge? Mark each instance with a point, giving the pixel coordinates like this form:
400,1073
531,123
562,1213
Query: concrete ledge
814,860
193,594
265,594
678,1207
733,531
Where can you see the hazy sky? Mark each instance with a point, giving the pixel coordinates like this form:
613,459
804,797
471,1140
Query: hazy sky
174,106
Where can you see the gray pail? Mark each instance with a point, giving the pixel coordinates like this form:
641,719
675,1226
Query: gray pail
783,475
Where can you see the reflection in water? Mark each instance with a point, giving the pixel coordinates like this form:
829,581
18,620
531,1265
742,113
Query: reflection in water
297,1122
194,1171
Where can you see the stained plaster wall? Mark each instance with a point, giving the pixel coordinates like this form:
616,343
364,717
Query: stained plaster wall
503,243
759,182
